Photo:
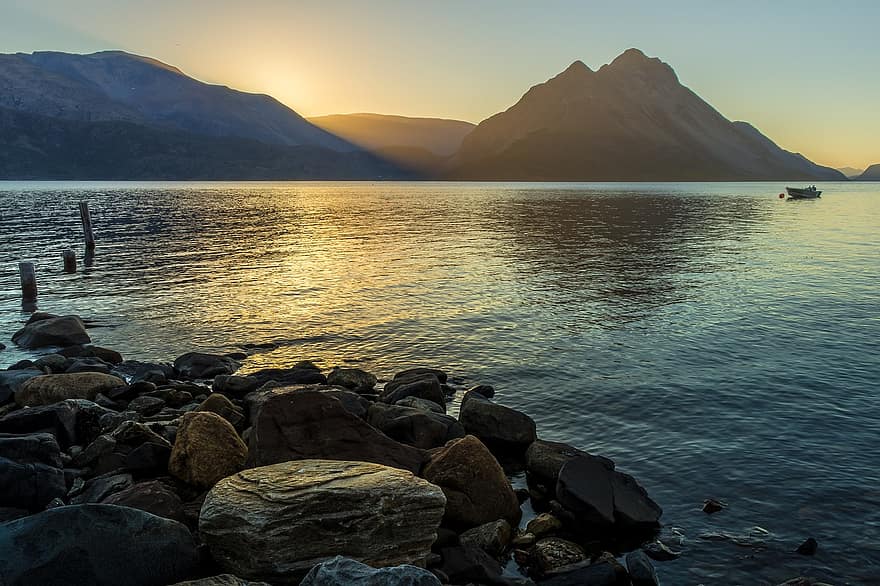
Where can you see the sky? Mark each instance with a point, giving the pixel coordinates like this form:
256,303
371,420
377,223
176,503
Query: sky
806,73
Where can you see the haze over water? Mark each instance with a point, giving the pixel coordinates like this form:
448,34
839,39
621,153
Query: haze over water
713,340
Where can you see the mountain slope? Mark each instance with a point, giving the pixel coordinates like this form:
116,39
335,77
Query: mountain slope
850,172
42,147
630,121
872,173
378,131
114,85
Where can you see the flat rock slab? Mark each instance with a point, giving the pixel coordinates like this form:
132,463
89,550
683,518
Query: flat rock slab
275,523
52,388
101,545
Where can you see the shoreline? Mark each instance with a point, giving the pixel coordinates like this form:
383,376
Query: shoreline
192,442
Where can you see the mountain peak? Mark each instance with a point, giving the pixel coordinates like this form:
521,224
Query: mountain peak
634,61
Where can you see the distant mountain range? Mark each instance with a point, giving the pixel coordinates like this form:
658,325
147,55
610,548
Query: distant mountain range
850,171
872,173
113,115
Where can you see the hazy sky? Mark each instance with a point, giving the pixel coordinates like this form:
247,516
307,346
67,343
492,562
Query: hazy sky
806,73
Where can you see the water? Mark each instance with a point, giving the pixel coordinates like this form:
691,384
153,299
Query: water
713,340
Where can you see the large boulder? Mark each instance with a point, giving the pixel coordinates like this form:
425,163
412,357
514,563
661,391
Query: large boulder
600,497
341,571
206,449
95,544
416,427
497,426
355,379
476,489
275,522
545,459
12,380
300,425
52,388
67,330
195,365
31,473
424,385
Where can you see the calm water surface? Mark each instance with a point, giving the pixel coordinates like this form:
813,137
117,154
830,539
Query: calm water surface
713,340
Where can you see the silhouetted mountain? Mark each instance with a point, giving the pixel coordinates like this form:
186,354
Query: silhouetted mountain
872,173
40,147
629,121
114,85
850,172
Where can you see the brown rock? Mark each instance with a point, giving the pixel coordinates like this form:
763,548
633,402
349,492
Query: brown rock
219,404
206,450
476,489
553,553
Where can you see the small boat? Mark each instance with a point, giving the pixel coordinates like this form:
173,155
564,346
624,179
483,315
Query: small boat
803,193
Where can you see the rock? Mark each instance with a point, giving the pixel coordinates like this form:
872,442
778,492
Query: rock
53,331
599,573
808,547
524,540
52,388
12,380
467,564
552,553
153,497
148,460
101,545
544,524
641,570
52,363
195,365
206,450
98,489
359,381
275,522
487,391
89,365
221,580
424,386
234,386
299,425
802,581
340,571
30,471
601,497
545,459
422,429
146,406
497,426
353,402
72,422
90,351
422,404
476,489
219,404
300,374
659,551
712,506
493,538
419,372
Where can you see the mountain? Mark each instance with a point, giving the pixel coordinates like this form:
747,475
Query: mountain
850,172
114,85
872,173
629,121
419,143
41,147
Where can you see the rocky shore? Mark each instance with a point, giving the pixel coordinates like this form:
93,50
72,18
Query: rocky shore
114,471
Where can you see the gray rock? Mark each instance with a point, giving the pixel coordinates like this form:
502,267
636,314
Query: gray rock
497,426
98,489
30,471
600,496
422,429
89,365
423,386
197,365
256,522
100,545
355,379
52,363
545,459
641,570
340,571
53,331
146,406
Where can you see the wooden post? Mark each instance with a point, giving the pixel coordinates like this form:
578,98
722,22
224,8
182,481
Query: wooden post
87,224
28,281
69,257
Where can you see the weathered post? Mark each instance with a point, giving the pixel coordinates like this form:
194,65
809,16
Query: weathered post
69,257
87,225
28,281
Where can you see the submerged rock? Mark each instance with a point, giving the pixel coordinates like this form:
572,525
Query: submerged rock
52,331
275,522
101,545
808,547
341,571
207,449
52,388
476,489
